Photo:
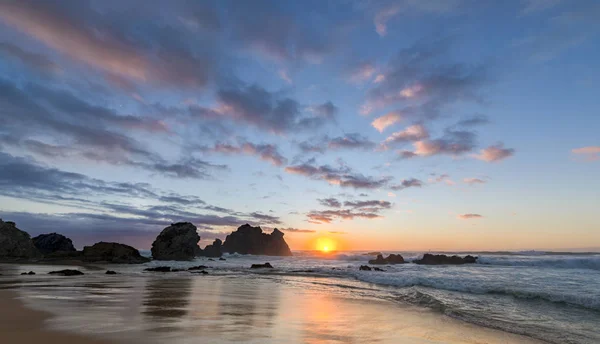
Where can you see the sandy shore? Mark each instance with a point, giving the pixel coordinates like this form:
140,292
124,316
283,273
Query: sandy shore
185,308
19,324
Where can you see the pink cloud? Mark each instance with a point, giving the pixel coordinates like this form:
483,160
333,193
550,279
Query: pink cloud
412,133
473,181
468,216
495,153
386,120
590,153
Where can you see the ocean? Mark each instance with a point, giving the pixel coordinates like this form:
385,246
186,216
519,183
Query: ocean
553,297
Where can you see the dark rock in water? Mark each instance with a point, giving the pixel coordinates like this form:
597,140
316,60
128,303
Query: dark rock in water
28,273
222,258
200,272
261,266
210,259
179,241
15,243
199,267
112,252
53,242
391,259
372,254
110,272
159,269
67,272
378,269
365,268
442,259
251,240
213,250
177,270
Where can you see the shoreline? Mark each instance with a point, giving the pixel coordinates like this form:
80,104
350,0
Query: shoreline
169,308
20,324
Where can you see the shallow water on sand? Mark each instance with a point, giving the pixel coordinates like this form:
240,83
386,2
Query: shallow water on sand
320,299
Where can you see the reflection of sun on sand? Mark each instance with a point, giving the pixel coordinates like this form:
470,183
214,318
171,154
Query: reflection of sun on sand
217,309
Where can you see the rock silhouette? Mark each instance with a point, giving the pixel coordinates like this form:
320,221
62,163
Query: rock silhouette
15,243
251,240
111,252
66,272
53,242
391,259
261,266
159,269
179,241
442,259
365,268
213,250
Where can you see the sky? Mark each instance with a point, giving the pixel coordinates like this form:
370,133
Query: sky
383,125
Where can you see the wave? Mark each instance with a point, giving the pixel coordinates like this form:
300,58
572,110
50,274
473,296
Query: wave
569,262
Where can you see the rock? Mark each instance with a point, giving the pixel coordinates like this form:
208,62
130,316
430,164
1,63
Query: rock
177,270
53,242
261,266
251,240
28,273
378,269
222,258
365,268
199,272
213,250
179,241
15,243
199,267
372,254
159,269
67,272
442,259
111,252
210,259
110,272
391,259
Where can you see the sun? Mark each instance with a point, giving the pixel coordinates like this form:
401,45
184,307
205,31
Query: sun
325,245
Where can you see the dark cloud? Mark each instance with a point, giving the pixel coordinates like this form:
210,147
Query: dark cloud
325,143
266,152
407,183
368,204
468,216
330,202
473,121
342,176
270,111
34,60
327,216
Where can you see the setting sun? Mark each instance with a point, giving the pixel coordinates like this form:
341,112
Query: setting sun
325,245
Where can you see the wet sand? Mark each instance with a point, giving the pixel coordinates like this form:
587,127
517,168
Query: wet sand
185,308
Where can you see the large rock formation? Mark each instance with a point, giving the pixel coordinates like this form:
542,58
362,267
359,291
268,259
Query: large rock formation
15,243
179,241
213,250
440,259
53,242
111,252
391,259
252,240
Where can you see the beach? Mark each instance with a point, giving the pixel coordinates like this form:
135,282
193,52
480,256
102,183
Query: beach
181,307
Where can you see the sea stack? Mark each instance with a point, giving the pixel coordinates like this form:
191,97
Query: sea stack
179,241
53,242
213,250
251,240
111,252
15,243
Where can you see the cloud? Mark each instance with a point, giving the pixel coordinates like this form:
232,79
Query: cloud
473,121
532,6
381,123
297,230
412,133
330,202
473,181
383,16
337,232
468,216
442,178
408,183
495,153
361,72
342,176
270,111
368,204
266,152
590,153
283,74
353,209
37,61
453,142
325,143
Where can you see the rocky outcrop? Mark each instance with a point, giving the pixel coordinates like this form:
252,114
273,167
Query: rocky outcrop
159,269
111,252
110,272
261,266
53,242
251,240
15,243
179,241
442,259
364,268
391,259
213,250
66,272
27,273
